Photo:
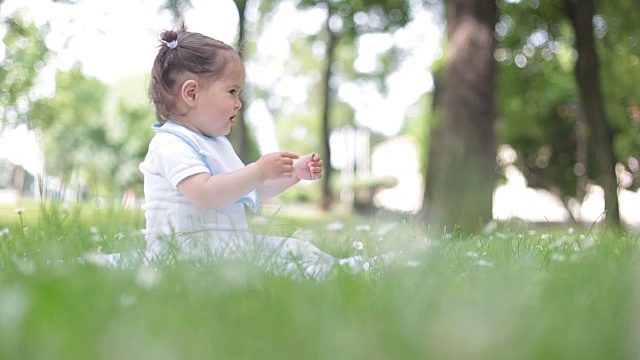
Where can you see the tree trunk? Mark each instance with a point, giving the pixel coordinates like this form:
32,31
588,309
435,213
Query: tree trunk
239,135
461,174
587,74
327,102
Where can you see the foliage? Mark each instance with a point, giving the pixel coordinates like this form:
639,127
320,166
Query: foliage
128,123
538,98
176,8
344,22
507,294
25,55
71,124
86,137
619,37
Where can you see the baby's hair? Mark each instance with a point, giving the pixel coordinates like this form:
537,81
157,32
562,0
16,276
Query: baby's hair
183,53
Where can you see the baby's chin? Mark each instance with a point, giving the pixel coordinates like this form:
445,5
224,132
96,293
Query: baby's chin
221,132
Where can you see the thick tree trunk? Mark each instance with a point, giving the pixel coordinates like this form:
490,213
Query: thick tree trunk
581,13
327,101
462,157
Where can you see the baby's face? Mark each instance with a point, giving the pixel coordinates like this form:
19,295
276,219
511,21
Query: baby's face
218,102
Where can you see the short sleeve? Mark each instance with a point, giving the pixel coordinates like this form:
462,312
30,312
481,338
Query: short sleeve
174,159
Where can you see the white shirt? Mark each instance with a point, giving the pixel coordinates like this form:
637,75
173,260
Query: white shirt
175,153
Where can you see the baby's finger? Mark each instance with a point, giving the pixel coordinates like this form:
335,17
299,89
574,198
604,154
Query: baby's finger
287,161
311,172
289,155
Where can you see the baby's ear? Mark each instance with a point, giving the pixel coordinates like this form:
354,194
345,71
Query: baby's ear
189,91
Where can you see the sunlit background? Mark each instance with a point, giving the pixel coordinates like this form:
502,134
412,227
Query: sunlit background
117,39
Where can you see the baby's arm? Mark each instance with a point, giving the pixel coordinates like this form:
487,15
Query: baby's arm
210,192
308,167
272,188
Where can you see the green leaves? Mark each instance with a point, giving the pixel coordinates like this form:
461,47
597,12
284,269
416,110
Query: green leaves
538,99
25,55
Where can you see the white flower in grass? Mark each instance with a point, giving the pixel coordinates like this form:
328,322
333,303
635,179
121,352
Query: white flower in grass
485,263
490,227
575,258
366,266
384,229
558,257
5,231
25,266
358,245
96,258
127,300
65,208
19,210
363,228
95,234
26,230
472,254
427,242
335,226
587,242
147,277
413,263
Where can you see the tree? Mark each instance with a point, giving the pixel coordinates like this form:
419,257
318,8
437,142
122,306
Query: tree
618,41
345,20
71,126
588,78
462,148
539,116
559,148
94,135
26,54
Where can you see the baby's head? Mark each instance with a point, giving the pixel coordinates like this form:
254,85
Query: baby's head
185,55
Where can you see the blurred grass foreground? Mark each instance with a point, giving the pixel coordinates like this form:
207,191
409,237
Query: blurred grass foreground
514,292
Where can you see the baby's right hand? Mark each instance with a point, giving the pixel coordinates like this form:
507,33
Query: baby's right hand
276,165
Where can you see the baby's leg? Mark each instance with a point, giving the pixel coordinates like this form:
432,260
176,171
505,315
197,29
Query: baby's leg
296,257
303,257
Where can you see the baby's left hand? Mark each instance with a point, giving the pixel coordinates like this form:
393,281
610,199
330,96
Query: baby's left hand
308,167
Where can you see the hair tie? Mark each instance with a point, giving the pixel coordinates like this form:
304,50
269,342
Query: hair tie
172,44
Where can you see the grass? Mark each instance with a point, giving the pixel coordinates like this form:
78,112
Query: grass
519,292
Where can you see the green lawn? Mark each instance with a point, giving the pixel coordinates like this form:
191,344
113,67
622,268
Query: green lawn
519,292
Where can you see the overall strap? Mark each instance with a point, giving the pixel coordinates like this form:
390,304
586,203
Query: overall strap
190,142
